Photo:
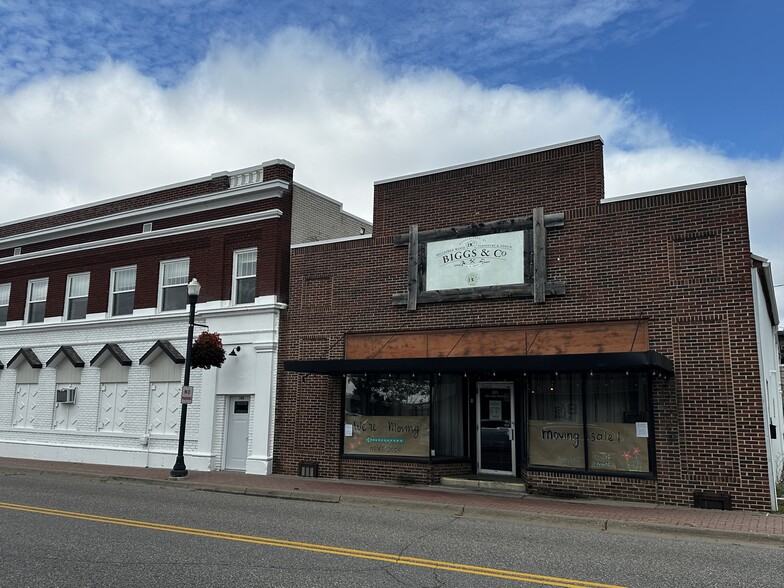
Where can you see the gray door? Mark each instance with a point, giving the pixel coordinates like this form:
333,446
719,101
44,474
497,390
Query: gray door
495,428
237,433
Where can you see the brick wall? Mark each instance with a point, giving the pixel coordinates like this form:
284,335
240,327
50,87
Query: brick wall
210,253
115,206
135,338
680,260
317,218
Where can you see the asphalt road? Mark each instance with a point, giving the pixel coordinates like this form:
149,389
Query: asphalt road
68,531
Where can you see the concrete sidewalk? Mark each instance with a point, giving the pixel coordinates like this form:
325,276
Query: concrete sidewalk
741,526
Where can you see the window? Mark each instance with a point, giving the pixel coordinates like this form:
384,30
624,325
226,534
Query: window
36,300
244,276
5,299
448,433
174,284
616,415
555,427
589,422
123,288
76,291
387,416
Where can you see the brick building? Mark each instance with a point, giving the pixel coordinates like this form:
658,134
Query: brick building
506,319
93,319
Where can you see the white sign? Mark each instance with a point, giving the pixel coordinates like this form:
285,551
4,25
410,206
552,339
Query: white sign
642,429
348,430
471,262
187,395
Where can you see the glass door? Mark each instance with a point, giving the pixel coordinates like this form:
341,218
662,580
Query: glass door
495,428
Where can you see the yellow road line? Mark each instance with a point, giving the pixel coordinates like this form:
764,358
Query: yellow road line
317,548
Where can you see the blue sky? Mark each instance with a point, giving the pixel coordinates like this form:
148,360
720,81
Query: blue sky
99,99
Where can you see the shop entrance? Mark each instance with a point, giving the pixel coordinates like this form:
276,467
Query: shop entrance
495,428
237,433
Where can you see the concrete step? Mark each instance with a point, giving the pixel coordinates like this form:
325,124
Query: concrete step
504,484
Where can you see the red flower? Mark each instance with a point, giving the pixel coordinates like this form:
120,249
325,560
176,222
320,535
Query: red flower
207,351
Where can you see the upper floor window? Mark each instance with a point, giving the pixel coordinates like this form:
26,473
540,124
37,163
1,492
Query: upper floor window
76,291
36,300
174,284
5,298
244,287
122,290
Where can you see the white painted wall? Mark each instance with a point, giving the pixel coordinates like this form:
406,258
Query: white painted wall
773,412
30,429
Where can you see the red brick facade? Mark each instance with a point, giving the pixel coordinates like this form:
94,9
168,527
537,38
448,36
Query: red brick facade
679,261
210,252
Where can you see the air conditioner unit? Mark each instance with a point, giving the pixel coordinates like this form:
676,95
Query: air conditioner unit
66,395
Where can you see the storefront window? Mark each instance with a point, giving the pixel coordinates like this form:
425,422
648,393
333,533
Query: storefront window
590,422
617,418
387,415
556,435
448,434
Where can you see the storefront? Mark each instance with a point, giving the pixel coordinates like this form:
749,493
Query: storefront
501,415
506,319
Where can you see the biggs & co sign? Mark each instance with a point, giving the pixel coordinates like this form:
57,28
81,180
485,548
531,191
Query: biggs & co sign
472,262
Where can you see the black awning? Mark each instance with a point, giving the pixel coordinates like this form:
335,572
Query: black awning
636,360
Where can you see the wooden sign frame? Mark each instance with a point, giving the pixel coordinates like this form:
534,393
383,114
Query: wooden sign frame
535,284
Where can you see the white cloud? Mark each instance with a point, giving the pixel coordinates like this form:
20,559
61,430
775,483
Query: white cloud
666,166
340,117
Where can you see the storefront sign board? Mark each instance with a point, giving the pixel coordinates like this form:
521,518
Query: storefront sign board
473,262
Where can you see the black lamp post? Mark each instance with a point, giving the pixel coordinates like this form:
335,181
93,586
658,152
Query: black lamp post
179,471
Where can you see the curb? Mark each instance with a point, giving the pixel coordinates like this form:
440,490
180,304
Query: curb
761,539
457,510
403,504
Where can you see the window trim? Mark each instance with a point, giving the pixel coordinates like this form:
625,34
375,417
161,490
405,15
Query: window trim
69,297
112,276
7,305
28,302
161,287
235,277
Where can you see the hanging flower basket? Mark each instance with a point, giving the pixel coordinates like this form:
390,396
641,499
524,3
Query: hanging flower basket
207,351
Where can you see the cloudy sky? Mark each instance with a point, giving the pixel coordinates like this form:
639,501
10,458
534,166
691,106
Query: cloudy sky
101,98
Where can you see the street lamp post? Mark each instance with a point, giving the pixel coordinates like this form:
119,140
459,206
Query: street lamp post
179,470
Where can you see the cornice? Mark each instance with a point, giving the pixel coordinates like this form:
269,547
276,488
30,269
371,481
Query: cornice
686,188
79,332
192,205
174,231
